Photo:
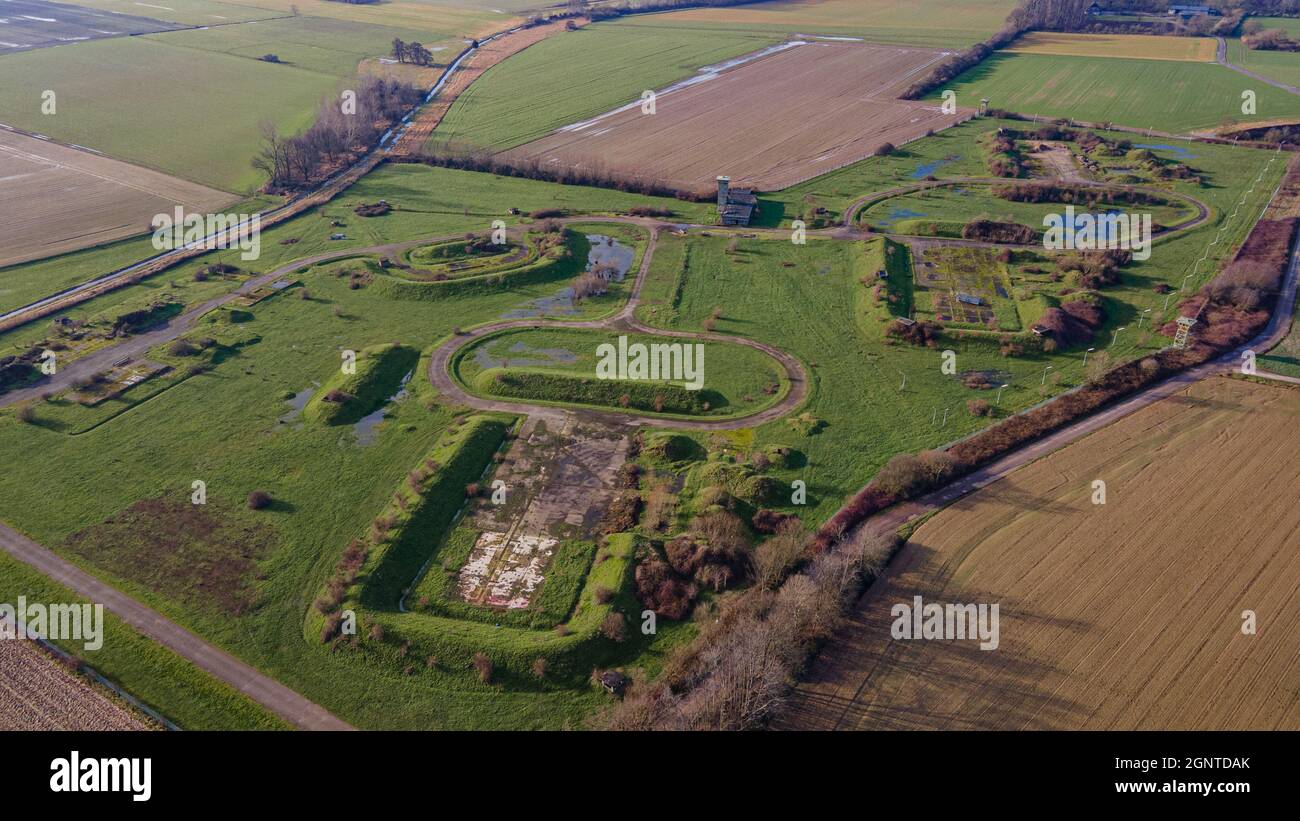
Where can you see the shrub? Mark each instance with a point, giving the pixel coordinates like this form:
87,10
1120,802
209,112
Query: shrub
259,500
978,407
622,513
182,347
1012,233
775,558
659,589
918,333
614,626
603,594
539,667
769,521
483,666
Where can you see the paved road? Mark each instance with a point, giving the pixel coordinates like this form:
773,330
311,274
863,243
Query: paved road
1221,55
263,689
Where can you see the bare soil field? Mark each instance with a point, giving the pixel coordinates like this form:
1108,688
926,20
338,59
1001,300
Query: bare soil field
37,693
59,199
768,122
1123,615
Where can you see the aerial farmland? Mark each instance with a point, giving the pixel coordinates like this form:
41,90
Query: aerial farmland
455,365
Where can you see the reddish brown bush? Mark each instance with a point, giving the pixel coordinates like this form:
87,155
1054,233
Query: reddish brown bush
918,333
1012,233
614,626
661,590
767,521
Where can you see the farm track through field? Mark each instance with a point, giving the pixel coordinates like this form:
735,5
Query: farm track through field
322,194
1221,56
261,688
304,713
809,708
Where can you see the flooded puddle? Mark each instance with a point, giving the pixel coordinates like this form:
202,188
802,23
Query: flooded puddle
365,427
606,254
926,169
297,402
1178,151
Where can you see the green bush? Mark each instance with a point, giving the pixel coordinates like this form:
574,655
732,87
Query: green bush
653,397
345,398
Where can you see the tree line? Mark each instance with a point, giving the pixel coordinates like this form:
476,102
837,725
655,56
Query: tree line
593,174
411,53
343,128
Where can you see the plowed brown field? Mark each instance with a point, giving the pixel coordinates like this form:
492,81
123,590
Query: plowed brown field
36,693
768,123
1126,615
58,199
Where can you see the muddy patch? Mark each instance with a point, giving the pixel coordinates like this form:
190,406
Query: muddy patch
204,556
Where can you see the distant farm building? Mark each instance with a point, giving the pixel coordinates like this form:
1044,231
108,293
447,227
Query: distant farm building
735,205
969,299
1195,11
1095,10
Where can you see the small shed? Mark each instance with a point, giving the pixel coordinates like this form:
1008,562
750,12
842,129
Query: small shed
614,682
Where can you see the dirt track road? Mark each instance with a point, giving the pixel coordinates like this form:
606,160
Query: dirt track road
261,688
1221,56
622,322
808,703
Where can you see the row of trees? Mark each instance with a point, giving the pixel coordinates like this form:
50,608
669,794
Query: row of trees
343,128
1257,37
592,173
1029,15
414,53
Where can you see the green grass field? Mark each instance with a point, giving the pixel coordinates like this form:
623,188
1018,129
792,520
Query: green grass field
188,12
1161,94
1285,358
195,114
429,202
191,102
736,380
576,75
182,693
320,44
1283,66
1291,25
235,428
961,204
